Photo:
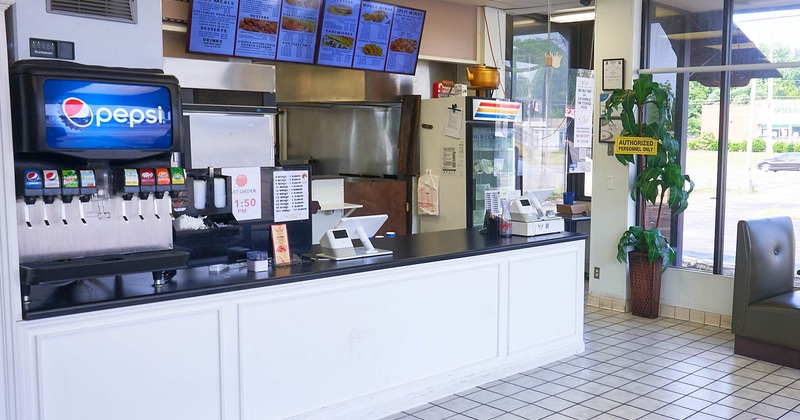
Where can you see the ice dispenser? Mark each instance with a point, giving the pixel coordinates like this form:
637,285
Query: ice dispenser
92,151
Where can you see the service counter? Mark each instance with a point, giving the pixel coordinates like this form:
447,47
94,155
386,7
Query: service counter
356,339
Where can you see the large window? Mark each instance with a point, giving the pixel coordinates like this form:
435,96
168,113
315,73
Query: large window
739,121
547,90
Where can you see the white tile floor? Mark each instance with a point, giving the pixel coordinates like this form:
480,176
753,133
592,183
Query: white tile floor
634,368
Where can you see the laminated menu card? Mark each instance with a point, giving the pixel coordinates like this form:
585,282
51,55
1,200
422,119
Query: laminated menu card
280,245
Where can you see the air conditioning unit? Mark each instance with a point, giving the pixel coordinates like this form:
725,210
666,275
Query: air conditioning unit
115,33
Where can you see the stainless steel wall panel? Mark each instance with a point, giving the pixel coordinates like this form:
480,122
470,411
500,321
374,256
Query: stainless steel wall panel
343,139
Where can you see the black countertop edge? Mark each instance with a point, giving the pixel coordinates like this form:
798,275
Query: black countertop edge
129,290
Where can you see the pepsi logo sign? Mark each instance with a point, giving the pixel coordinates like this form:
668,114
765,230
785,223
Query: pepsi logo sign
33,176
51,176
77,112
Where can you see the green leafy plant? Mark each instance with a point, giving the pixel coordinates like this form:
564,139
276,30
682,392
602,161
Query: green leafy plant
646,111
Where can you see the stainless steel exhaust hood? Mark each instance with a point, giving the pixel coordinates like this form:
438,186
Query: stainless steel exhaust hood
299,83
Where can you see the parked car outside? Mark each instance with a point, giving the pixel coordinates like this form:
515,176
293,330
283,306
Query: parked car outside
785,162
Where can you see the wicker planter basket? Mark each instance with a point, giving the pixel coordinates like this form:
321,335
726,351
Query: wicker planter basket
645,285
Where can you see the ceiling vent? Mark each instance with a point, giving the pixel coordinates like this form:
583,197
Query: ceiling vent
115,10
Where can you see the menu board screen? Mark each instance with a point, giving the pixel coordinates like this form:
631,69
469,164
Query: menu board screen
374,29
213,26
359,34
257,32
404,44
339,25
298,32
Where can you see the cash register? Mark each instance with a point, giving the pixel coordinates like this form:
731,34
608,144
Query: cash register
528,218
337,243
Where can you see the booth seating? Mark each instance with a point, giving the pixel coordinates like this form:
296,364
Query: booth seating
766,309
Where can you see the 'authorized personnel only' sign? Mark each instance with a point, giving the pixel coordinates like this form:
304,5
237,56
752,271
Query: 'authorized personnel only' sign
625,145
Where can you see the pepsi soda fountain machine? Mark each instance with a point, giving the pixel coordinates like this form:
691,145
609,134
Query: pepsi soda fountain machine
93,151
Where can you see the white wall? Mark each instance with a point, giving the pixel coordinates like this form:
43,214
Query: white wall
10,309
697,290
492,43
617,35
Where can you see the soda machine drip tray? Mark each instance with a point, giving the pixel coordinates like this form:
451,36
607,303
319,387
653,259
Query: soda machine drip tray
43,272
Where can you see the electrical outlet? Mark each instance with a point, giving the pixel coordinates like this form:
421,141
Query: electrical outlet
597,272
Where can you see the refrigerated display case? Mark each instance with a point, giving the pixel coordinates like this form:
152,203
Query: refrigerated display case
470,144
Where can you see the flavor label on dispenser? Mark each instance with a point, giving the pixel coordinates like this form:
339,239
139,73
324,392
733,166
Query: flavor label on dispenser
177,176
87,178
131,178
33,179
148,177
51,179
162,176
69,178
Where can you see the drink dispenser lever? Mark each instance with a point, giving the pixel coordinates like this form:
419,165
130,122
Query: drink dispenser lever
70,187
126,186
163,186
177,183
147,184
32,188
88,188
52,188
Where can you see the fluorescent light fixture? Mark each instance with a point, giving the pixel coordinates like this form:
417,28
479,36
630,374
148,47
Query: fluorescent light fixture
573,17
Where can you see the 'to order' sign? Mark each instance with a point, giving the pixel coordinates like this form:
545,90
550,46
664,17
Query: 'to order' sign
627,145
245,192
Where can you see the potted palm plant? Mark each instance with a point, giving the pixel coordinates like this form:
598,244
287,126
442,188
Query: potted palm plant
646,111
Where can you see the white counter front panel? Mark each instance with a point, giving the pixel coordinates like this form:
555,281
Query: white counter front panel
403,326
165,367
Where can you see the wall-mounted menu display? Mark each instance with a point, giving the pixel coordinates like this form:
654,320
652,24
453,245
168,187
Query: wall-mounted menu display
404,44
298,33
339,25
212,29
358,34
257,29
374,29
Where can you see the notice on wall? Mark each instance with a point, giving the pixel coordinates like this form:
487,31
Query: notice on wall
290,195
584,101
455,119
449,159
245,192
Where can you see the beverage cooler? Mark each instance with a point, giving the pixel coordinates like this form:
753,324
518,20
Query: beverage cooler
469,143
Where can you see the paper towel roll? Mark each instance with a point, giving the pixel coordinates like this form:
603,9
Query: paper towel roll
199,194
220,193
